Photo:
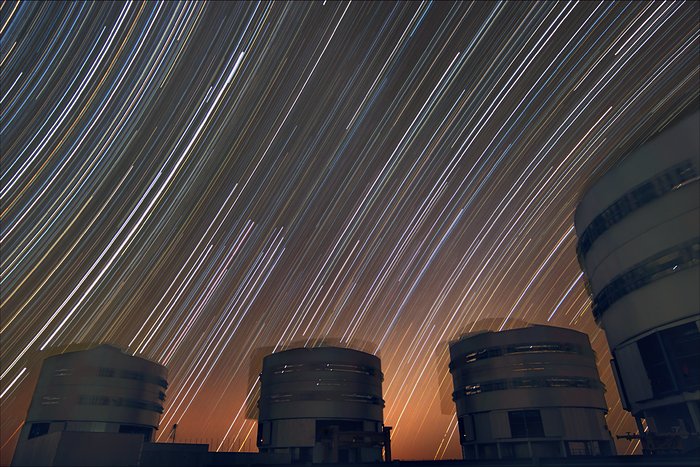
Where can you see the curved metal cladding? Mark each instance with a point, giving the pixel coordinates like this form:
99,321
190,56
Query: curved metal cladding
98,390
322,405
639,247
527,392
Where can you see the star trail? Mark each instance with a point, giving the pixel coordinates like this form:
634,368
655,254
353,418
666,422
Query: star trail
195,182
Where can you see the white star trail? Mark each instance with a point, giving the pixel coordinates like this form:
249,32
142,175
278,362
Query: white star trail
200,182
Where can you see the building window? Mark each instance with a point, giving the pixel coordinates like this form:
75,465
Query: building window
105,372
527,383
120,402
372,399
335,367
672,359
682,345
525,424
656,365
38,429
538,347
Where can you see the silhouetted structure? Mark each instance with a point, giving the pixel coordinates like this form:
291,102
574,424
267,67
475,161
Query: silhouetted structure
528,392
99,391
639,246
322,404
128,447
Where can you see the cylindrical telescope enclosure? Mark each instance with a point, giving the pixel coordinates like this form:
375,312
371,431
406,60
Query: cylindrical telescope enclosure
639,247
322,404
529,392
97,390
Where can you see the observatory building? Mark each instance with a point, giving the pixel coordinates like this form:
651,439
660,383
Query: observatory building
528,392
99,391
638,233
322,404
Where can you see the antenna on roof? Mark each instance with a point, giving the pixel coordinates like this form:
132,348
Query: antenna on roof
173,431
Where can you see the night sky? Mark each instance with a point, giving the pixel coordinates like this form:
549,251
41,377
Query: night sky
198,182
